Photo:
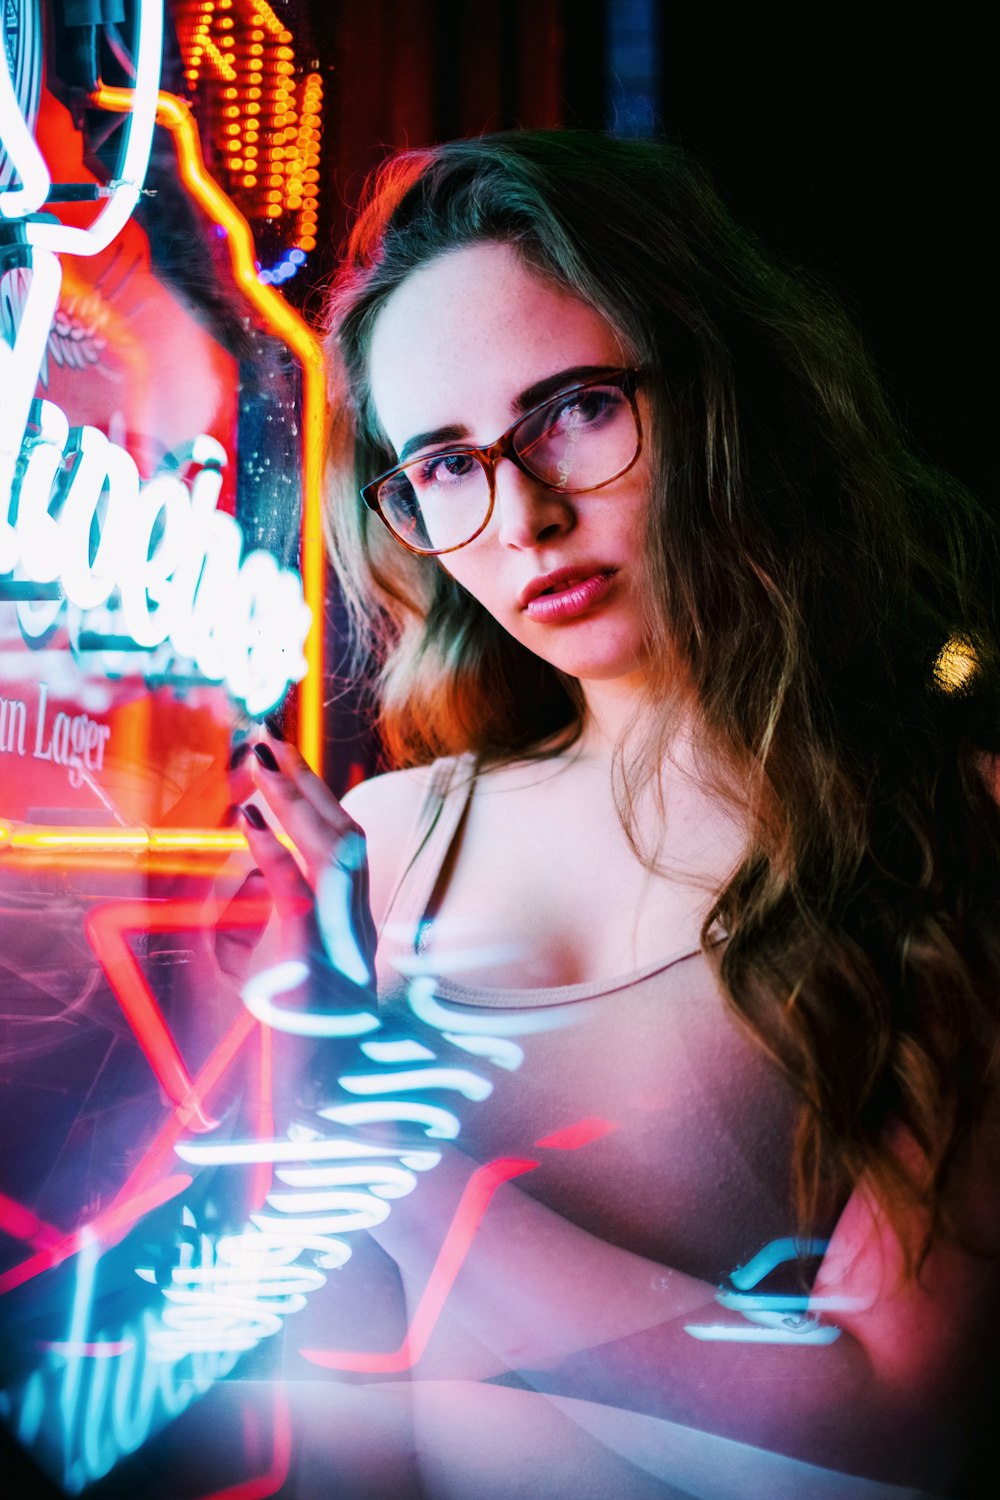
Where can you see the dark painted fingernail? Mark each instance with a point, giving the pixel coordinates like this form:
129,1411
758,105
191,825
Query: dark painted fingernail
273,727
265,755
254,816
230,815
239,755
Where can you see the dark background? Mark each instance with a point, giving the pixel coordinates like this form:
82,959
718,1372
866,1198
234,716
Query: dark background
858,146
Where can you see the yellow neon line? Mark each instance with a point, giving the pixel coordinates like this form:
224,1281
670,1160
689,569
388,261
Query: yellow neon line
175,114
195,838
82,840
131,840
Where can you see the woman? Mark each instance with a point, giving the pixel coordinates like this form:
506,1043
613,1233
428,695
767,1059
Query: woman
691,674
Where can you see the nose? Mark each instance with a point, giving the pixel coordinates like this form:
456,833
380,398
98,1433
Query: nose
530,514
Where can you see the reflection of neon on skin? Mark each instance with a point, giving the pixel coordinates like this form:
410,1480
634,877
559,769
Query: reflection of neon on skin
337,890
458,1080
327,1202
337,1202
397,1052
231,1299
775,1254
472,1206
436,1121
239,1153
778,1302
422,999
500,1053
726,1333
354,1211
127,184
581,1133
385,1181
780,1319
282,979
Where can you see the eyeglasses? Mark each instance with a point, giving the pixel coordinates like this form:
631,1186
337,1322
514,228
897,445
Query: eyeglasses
576,441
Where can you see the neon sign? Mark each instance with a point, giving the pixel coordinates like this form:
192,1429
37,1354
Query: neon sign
110,1394
773,1317
173,561
75,741
122,193
76,520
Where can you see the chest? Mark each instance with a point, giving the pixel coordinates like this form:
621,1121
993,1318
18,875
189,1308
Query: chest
540,886
650,1119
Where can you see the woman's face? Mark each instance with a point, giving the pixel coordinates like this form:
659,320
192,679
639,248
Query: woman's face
461,349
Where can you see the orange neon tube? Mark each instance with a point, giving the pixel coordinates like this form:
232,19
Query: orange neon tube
174,113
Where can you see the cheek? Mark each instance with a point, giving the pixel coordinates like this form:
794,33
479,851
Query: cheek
477,575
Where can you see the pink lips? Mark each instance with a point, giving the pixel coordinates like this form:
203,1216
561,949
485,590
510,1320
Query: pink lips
570,594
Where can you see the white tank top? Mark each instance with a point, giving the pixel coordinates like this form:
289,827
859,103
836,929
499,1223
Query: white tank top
657,1122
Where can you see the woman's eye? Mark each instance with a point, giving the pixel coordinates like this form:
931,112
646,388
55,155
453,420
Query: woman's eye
443,469
583,409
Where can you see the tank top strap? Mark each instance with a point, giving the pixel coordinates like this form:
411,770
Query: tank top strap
439,821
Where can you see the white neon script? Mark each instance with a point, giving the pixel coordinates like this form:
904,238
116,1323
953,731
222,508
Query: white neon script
74,512
338,1185
774,1317
81,1414
123,191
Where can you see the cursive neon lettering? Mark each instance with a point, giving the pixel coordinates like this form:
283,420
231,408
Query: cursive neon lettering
175,564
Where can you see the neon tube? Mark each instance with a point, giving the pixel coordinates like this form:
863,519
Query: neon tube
176,115
19,146
26,353
134,161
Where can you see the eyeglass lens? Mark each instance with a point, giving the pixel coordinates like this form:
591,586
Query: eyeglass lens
578,441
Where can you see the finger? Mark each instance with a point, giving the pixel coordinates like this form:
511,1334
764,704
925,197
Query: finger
313,977
309,813
288,886
241,782
235,942
313,788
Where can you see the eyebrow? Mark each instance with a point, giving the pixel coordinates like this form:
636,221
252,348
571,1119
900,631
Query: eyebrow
532,396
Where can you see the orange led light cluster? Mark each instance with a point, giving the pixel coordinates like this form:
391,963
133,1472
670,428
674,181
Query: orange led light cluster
203,49
263,115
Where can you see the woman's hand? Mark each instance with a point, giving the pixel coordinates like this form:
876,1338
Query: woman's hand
313,857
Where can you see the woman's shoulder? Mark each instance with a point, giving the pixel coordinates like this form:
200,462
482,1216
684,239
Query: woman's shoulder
386,797
389,809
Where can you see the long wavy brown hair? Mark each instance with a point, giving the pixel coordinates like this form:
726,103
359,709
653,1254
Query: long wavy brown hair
828,599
